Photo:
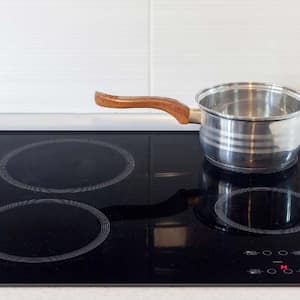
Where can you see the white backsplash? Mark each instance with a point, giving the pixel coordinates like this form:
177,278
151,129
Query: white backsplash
55,54
197,44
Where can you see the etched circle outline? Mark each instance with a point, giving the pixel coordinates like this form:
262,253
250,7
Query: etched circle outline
4,174
98,240
219,211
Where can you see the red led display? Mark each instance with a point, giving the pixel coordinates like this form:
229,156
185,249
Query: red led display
283,267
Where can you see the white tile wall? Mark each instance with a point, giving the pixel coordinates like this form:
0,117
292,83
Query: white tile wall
199,43
55,53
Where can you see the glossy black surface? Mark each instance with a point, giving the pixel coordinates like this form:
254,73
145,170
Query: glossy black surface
140,208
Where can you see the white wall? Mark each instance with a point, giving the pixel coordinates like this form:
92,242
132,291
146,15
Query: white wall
55,53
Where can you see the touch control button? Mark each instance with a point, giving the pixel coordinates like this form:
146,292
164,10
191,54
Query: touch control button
283,252
267,252
254,271
288,271
271,271
251,252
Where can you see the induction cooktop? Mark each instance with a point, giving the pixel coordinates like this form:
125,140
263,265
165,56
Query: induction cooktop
140,208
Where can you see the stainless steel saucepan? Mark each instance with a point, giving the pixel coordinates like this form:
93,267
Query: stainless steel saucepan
246,127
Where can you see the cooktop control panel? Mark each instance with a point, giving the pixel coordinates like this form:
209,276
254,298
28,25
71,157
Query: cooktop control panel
273,262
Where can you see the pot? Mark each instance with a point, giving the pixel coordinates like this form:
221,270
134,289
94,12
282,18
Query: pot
245,127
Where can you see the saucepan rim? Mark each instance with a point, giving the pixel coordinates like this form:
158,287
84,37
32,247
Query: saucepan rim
201,95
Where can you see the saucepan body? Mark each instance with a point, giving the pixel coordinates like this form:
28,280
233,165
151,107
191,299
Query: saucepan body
250,127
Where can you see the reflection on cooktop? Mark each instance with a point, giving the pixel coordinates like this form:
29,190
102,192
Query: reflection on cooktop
260,210
140,208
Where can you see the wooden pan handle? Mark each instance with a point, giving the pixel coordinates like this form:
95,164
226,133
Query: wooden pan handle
179,111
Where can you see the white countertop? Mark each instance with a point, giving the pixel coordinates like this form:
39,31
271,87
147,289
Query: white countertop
123,122
136,122
153,293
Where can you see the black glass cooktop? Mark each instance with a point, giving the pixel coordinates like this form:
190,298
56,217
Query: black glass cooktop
139,208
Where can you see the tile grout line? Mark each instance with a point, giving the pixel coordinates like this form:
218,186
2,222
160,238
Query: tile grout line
150,81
